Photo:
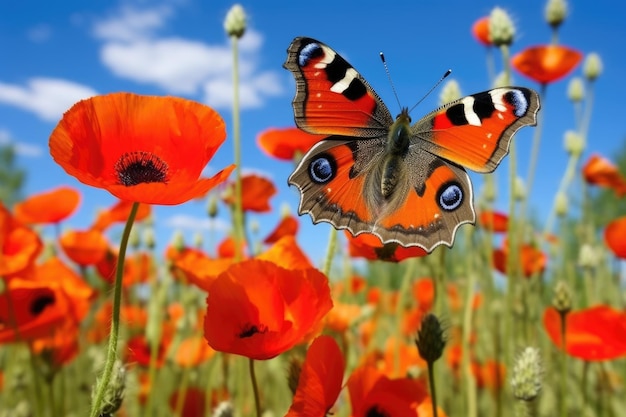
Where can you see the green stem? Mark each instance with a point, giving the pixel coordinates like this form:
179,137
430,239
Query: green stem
467,332
330,251
255,388
534,154
402,291
431,381
238,212
564,377
115,320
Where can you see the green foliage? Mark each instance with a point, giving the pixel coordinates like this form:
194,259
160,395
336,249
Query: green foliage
11,176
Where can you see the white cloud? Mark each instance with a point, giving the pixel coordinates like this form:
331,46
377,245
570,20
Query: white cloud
21,148
191,223
131,24
39,33
133,50
48,98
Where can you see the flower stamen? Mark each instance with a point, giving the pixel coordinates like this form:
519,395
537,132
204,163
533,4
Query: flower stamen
140,167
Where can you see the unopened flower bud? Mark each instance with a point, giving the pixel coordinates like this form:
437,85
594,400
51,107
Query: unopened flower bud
519,189
178,240
576,89
527,375
198,240
592,66
573,143
223,409
149,238
212,207
235,22
556,12
562,300
561,204
450,92
430,339
134,240
501,27
114,394
588,256
294,368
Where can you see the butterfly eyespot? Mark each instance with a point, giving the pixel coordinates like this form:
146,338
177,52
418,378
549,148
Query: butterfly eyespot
519,102
309,52
450,196
322,169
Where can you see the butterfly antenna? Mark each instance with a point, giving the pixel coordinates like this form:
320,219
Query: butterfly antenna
443,77
393,87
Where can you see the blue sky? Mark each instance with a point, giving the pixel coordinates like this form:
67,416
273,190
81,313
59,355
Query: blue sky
58,53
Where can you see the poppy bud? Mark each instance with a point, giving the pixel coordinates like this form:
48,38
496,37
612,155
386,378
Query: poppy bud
114,394
198,241
450,92
561,204
592,67
501,27
527,375
149,238
574,143
235,22
588,256
223,409
293,373
576,90
556,12
519,189
430,339
562,300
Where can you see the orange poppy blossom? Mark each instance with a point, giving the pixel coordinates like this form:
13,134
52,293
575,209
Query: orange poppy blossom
319,383
259,310
532,260
145,149
603,173
201,270
490,374
51,206
227,248
494,221
139,351
84,247
592,334
615,237
288,226
373,393
60,348
256,192
480,30
287,143
19,245
546,63
118,213
138,267
342,316
369,246
193,351
31,310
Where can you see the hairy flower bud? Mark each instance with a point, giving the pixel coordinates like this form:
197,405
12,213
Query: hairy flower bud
430,339
576,89
527,375
501,27
573,143
450,92
556,12
592,66
235,22
562,300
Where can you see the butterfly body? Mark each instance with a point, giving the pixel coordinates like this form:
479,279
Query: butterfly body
376,174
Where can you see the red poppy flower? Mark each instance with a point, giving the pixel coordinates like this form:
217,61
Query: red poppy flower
84,247
532,260
373,393
320,379
288,226
19,245
140,148
256,193
546,63
139,350
60,348
592,334
615,237
194,403
491,375
31,310
287,143
493,220
118,213
48,207
370,247
260,310
480,30
342,316
603,173
193,351
228,249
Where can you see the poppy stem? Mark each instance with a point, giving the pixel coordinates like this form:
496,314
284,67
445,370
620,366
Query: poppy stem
255,388
238,210
330,251
103,384
534,153
431,382
564,379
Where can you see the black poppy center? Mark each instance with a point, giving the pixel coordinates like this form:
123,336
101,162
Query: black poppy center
140,167
251,329
40,303
375,411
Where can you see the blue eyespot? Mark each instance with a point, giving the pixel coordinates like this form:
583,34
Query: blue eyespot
322,169
519,102
308,52
450,196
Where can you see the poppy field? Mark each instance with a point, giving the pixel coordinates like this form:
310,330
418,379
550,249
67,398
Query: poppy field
521,316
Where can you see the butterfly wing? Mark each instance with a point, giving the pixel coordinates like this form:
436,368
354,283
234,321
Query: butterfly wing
331,96
476,131
340,183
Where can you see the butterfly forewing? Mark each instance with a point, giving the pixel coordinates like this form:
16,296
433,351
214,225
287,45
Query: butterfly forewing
331,96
